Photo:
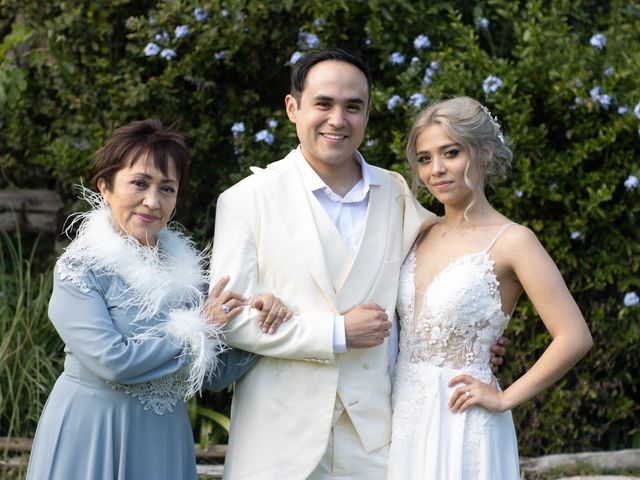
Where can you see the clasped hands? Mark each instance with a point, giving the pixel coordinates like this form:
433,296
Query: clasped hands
222,306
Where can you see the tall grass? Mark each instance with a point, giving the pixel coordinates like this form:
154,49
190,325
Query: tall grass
30,349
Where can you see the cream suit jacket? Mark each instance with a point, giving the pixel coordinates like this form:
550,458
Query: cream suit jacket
273,236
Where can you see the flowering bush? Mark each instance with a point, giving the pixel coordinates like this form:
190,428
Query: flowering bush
561,79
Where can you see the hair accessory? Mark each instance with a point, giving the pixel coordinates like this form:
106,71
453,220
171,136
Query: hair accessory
494,120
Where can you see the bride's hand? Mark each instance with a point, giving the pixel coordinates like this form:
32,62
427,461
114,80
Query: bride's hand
222,306
273,312
475,392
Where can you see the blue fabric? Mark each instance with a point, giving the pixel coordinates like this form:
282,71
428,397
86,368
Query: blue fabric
88,429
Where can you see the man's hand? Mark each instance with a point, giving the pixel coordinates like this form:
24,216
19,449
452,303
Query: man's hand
498,351
366,326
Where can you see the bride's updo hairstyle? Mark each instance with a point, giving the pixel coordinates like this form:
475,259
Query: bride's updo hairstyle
471,125
137,140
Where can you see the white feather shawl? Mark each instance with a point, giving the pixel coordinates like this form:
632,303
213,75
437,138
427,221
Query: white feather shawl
169,277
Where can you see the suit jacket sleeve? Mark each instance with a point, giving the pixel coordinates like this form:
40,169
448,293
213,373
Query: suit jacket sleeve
307,336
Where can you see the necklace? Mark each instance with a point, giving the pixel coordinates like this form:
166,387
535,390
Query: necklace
462,226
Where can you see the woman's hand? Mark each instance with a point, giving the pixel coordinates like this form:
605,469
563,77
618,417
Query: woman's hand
475,392
222,306
272,312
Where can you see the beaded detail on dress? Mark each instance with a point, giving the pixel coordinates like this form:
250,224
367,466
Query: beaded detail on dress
160,394
461,317
69,268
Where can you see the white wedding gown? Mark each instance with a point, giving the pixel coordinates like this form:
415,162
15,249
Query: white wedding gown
459,318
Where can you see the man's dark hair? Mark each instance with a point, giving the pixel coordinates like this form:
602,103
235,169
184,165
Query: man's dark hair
303,65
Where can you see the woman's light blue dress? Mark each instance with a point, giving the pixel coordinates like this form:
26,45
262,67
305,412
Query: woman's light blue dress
117,411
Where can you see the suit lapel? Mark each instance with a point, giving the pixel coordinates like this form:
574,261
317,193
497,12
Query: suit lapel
338,257
361,277
300,229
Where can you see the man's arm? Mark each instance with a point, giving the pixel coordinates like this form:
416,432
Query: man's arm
309,335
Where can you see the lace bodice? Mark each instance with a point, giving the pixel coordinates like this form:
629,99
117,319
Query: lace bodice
461,315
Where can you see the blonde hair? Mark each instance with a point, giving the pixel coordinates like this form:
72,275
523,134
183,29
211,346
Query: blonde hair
470,124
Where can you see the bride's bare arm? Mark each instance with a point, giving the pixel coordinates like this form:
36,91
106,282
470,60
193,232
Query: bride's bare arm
543,283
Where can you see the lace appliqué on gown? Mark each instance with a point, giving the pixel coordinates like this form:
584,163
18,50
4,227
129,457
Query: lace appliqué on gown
68,268
160,394
461,316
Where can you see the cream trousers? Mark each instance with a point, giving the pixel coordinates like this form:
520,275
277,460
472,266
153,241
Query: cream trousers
345,458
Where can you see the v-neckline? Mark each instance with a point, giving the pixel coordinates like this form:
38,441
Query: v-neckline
444,270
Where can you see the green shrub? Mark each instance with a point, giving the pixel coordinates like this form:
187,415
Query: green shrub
30,349
78,69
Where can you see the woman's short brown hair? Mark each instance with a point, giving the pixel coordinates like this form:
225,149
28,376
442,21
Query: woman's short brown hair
145,138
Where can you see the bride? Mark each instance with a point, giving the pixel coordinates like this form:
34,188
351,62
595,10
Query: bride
458,287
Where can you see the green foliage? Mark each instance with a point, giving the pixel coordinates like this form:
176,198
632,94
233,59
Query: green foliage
73,71
30,350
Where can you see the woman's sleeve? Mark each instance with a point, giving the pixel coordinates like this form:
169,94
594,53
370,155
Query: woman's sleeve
232,364
79,313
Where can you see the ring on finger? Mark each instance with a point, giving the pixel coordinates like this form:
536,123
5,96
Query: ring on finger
225,308
468,394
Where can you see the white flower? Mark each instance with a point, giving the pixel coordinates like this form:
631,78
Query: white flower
151,50
393,102
415,60
491,84
636,110
224,12
421,42
598,40
396,58
168,54
519,193
623,110
181,31
272,123
631,182
264,136
576,234
162,37
237,129
200,14
631,299
220,55
370,143
318,22
609,72
417,99
295,57
483,23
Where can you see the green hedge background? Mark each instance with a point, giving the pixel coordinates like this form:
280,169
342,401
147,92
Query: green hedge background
566,90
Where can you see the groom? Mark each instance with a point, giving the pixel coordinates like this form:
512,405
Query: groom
327,233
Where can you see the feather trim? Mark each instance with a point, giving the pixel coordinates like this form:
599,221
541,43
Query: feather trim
160,279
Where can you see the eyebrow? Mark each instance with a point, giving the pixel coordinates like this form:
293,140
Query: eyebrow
325,98
163,179
444,147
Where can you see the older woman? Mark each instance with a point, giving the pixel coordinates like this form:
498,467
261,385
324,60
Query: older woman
140,336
